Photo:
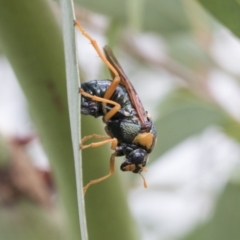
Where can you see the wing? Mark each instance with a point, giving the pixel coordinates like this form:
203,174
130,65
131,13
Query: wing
127,84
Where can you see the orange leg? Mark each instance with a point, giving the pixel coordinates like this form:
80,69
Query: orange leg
106,100
98,144
116,79
112,162
112,112
114,141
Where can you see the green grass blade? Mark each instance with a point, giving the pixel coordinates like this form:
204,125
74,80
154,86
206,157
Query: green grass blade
73,103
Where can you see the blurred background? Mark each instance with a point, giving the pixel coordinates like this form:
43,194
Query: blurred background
183,59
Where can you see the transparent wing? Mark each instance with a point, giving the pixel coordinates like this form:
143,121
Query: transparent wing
127,84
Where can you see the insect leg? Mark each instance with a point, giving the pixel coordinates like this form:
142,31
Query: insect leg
116,79
112,112
84,139
98,144
112,162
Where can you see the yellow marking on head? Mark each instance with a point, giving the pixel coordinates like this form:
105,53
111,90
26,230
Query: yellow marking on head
144,139
130,167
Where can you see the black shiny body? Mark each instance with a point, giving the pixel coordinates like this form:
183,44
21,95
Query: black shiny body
98,88
130,130
124,125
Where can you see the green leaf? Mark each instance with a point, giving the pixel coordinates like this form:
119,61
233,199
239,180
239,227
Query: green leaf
182,115
32,41
73,85
227,12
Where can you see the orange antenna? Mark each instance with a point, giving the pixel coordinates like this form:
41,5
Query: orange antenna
144,181
143,168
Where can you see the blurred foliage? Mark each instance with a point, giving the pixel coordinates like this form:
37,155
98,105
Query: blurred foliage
187,32
26,221
227,12
183,114
161,16
4,154
32,41
224,222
